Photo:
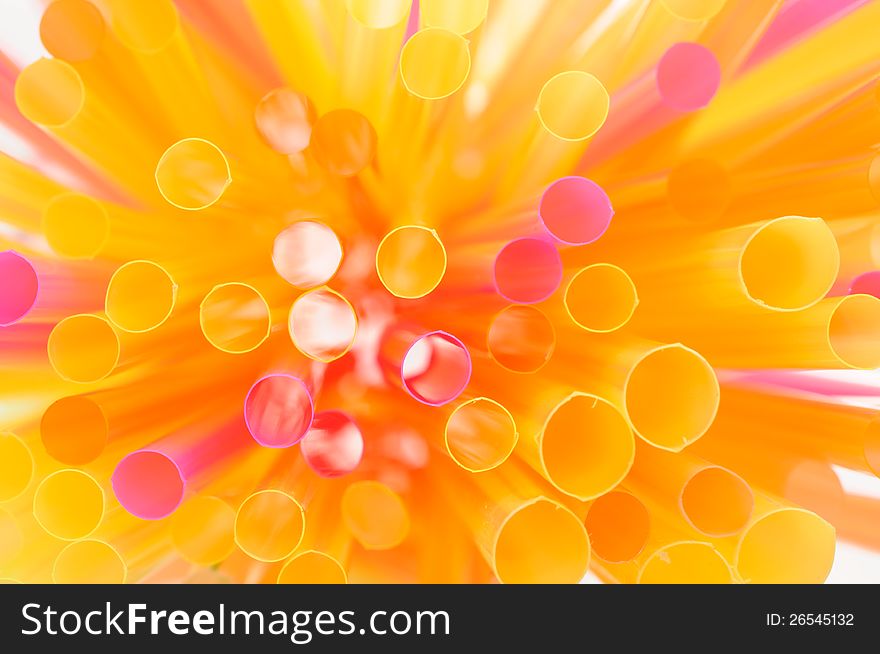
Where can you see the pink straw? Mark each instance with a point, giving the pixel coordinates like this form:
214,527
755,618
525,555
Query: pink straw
684,80
433,367
18,293
527,270
278,410
796,20
867,283
334,445
575,210
150,483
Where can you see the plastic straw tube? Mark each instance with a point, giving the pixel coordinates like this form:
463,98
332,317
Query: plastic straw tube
741,267
373,34
278,410
411,261
343,142
601,298
312,567
322,324
269,525
434,63
16,466
235,318
784,545
480,434
377,517
685,562
714,500
69,504
151,483
805,426
684,80
584,448
521,338
526,537
76,226
193,174
527,270
433,367
571,108
334,445
619,525
575,210
140,296
459,16
89,562
20,287
284,119
202,530
83,348
307,254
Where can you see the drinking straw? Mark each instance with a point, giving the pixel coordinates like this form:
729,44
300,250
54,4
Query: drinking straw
836,333
89,562
868,283
307,254
601,298
740,267
480,434
521,338
51,93
290,31
685,562
193,174
618,525
322,324
411,261
202,530
140,296
12,541
372,33
434,63
784,545
334,445
76,225
20,288
684,80
69,504
632,374
714,500
857,522
433,367
230,25
72,30
150,483
458,16
312,567
83,348
235,318
343,142
575,210
795,22
278,410
269,525
582,445
770,91
523,534
527,270
803,425
571,108
16,466
377,517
